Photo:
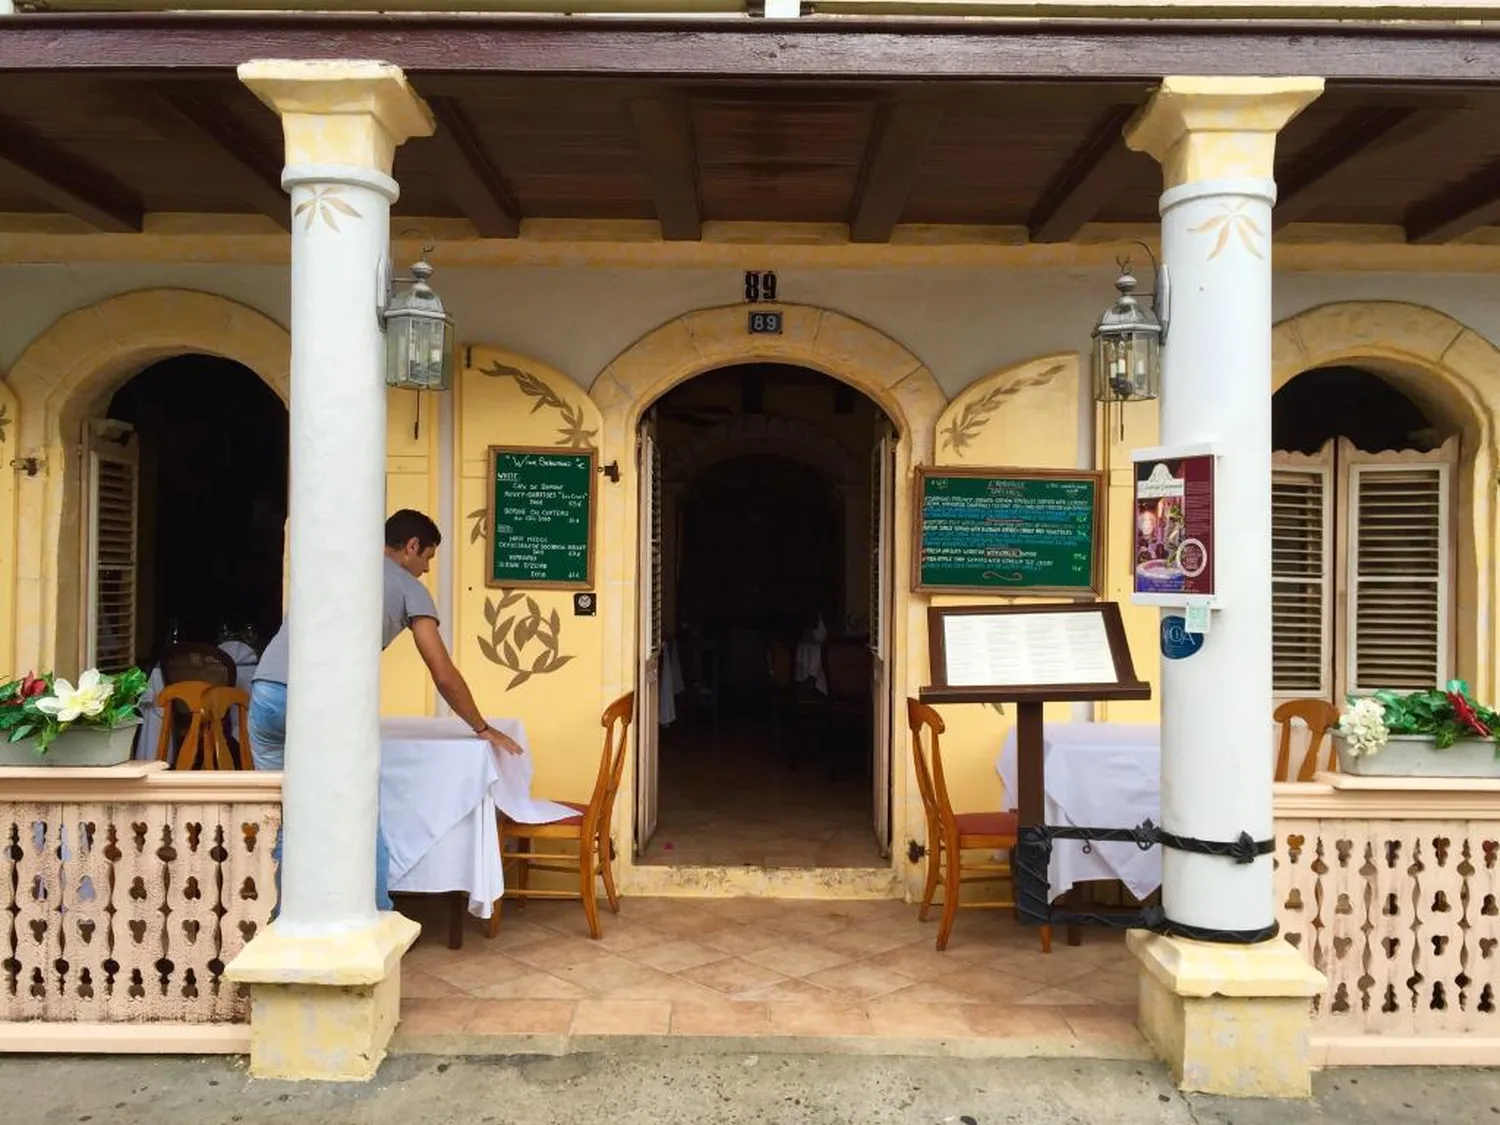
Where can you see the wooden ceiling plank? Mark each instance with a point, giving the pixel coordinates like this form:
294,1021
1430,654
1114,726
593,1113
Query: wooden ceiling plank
893,159
1456,210
468,174
1084,186
69,184
198,121
1310,182
664,134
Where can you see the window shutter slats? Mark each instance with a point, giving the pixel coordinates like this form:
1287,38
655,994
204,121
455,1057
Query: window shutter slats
112,558
1301,590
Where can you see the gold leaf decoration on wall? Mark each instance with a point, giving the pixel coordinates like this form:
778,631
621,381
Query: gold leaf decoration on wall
1233,221
573,434
325,204
961,433
510,643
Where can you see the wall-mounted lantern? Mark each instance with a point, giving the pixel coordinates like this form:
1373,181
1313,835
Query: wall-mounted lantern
418,332
1128,341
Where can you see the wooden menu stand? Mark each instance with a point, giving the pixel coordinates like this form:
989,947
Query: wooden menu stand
1035,644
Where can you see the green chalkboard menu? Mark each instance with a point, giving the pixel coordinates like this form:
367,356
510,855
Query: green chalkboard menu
541,505
1019,531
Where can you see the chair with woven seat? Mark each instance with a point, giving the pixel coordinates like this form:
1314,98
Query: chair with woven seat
1319,716
226,753
590,828
185,696
950,834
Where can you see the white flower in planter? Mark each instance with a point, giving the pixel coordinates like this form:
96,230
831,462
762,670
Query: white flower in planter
88,699
1363,726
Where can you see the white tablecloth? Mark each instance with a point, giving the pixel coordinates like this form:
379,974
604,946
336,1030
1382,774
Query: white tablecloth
809,665
1098,775
439,789
245,659
669,684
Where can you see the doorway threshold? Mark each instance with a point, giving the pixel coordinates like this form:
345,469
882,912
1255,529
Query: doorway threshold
762,882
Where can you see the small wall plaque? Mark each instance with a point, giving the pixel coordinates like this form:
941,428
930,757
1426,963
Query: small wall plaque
765,324
585,604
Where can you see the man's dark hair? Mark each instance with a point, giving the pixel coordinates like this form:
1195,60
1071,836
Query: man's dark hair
407,525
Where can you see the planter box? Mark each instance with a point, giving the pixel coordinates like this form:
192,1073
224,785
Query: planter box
80,746
1415,755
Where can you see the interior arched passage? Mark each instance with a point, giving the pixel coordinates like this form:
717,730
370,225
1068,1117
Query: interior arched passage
1451,376
68,374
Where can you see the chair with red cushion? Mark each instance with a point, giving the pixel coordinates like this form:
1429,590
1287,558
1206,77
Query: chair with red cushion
950,834
590,829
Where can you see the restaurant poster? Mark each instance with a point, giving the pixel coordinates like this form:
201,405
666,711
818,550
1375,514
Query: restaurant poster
1173,559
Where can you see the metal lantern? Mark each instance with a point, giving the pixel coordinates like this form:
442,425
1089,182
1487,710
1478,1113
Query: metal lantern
1127,345
418,336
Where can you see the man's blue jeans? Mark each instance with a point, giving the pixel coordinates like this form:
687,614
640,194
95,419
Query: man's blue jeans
268,749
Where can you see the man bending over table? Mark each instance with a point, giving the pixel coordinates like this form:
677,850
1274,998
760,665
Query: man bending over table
411,541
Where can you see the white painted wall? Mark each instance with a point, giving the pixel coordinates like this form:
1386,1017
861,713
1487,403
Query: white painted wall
963,323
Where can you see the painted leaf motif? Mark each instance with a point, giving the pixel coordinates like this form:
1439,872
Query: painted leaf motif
540,664
532,608
491,612
510,599
503,630
524,632
558,663
489,651
517,680
555,622
340,205
511,659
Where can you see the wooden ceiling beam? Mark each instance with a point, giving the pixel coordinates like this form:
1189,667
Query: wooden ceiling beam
1080,191
1310,181
664,134
892,161
67,183
1456,210
468,174
197,120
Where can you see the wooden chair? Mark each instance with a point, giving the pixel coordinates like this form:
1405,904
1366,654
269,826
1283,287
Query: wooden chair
950,834
187,661
1320,717
590,828
189,694
218,702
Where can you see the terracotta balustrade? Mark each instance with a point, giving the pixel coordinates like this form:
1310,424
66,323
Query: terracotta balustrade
123,894
1391,888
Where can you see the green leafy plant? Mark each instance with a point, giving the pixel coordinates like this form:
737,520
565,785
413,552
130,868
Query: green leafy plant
43,707
1447,715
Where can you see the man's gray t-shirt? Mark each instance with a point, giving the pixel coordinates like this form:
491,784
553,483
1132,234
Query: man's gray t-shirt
405,598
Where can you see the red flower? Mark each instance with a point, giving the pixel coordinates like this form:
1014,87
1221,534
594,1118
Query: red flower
30,687
1466,714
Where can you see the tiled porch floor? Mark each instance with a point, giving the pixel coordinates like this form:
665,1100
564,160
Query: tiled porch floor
765,974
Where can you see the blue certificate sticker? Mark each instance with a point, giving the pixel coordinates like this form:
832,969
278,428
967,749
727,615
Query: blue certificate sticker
1176,642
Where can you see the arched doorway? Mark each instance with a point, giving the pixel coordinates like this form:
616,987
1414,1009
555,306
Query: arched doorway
1365,561
765,561
196,448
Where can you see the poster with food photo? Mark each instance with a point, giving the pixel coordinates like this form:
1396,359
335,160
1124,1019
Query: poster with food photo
1174,526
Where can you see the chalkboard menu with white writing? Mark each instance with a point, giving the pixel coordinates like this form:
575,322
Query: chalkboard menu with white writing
541,505
1018,531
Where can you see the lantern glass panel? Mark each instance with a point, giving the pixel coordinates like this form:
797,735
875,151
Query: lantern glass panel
419,352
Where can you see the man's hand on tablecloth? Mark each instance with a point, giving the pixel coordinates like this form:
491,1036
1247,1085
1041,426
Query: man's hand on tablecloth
501,741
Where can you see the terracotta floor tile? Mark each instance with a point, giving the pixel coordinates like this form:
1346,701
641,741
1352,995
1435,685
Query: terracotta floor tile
797,960
531,986
920,962
1033,1022
812,922
1056,968
608,975
818,1018
860,942
665,986
447,1016
793,991
480,971
533,1017
623,934
732,976
423,986
744,939
1058,998
859,981
929,992
675,956
622,1017
990,985
518,933
1116,1027
556,954
905,1019
1110,987
730,1017
742,909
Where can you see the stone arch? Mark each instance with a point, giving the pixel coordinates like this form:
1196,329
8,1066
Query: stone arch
72,369
1453,373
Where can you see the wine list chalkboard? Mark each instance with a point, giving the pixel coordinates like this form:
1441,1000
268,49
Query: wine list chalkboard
1018,531
541,509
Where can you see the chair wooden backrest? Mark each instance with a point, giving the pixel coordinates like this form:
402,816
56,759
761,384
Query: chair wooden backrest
218,702
188,693
940,818
847,666
189,661
616,723
1320,717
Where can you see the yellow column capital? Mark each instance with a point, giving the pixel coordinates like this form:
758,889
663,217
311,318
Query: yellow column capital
353,113
1202,128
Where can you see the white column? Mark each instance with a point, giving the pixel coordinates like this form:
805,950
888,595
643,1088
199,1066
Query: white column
342,122
1215,138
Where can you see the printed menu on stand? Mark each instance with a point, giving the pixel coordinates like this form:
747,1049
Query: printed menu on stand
984,650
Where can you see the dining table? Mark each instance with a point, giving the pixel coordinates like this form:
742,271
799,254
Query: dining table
440,788
1096,775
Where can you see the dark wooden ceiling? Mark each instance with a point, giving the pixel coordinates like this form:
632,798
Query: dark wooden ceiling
110,148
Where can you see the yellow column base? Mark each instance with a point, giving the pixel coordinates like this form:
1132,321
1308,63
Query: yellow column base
1229,1020
324,1007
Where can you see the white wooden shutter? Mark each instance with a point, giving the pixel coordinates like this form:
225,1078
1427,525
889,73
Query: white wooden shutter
1399,567
111,573
1302,544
